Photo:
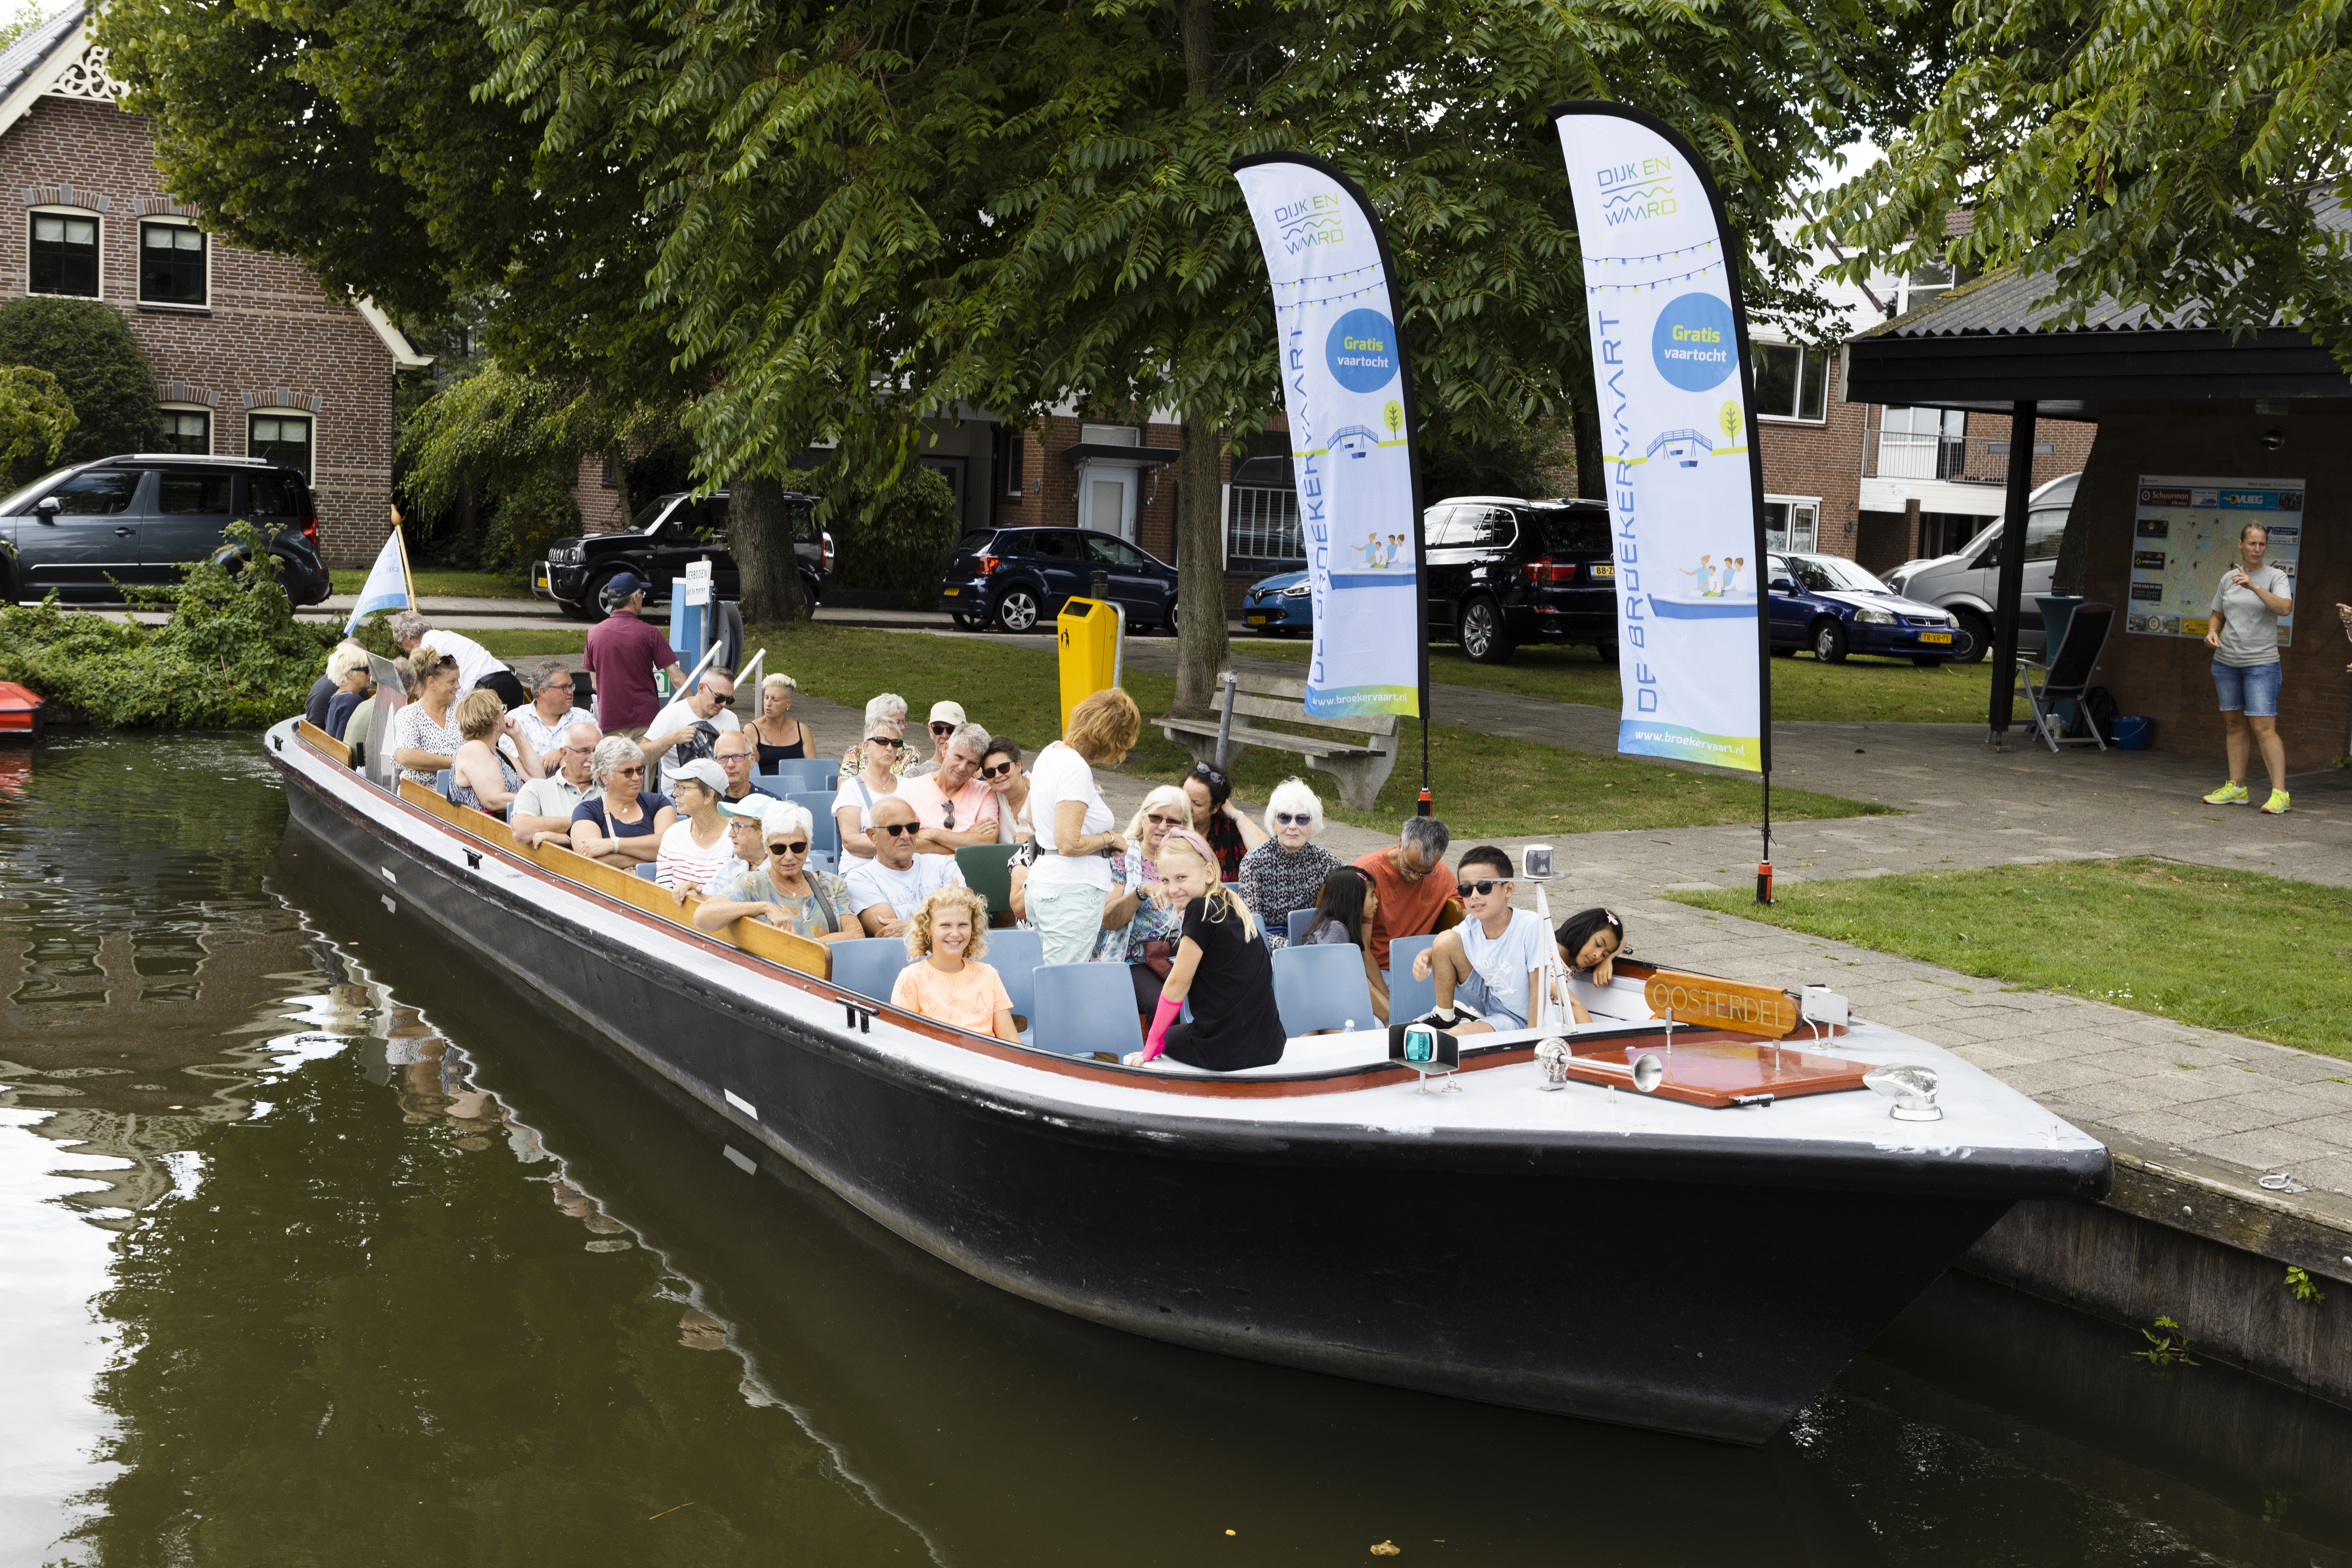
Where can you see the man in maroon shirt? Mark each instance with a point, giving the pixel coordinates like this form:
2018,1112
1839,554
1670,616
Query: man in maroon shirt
622,654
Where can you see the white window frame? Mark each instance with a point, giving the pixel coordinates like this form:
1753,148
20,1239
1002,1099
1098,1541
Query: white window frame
1811,361
212,424
311,477
91,213
1795,504
203,305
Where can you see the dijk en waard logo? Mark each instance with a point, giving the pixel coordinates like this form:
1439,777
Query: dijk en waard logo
1636,192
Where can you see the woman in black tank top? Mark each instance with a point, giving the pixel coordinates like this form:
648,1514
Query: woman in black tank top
775,731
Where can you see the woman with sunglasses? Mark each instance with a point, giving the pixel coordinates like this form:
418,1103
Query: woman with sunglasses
1000,770
621,826
888,709
875,780
1285,871
784,891
1142,922
1221,822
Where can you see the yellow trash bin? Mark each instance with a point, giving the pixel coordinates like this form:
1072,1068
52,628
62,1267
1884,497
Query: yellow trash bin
1092,635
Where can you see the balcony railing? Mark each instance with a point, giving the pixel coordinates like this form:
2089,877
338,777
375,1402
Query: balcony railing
1904,455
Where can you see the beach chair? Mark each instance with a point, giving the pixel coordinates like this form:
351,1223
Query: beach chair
869,965
1408,998
986,873
2066,676
1322,988
1083,1008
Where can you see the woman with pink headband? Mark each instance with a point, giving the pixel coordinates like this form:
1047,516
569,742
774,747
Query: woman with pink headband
1221,967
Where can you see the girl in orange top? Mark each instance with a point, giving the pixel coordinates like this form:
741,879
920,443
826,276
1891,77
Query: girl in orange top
948,935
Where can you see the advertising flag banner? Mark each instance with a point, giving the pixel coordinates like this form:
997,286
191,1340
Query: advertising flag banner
386,587
1678,438
1347,390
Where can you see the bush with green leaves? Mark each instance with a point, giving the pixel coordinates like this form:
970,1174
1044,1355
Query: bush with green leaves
89,348
899,539
231,657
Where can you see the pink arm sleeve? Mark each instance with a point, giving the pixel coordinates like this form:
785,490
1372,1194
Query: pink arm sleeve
1157,1041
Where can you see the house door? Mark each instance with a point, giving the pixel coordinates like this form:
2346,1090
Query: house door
1107,500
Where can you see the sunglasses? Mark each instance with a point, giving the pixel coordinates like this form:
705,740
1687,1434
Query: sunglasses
799,849
885,740
1159,821
896,828
947,815
1294,819
998,772
638,771
1204,770
942,729
1485,886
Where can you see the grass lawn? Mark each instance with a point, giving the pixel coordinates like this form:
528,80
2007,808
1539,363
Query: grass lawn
2256,955
1878,689
1485,784
434,584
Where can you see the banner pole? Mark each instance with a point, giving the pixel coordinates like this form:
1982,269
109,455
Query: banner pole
407,578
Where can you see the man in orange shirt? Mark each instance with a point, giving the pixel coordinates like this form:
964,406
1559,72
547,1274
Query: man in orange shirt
1412,882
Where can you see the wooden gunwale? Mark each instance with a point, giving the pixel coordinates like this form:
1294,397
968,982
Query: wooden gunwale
627,895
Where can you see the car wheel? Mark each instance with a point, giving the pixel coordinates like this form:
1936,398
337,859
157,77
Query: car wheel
1482,635
1171,617
1608,652
1017,611
968,622
592,602
1978,629
1829,642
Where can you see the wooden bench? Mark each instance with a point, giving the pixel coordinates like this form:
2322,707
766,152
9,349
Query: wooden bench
1361,752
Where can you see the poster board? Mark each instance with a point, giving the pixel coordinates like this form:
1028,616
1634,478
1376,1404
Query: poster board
2185,537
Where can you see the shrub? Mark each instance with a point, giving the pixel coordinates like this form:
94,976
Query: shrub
89,348
232,655
532,514
898,539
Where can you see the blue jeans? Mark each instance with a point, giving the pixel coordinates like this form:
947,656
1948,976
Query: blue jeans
2252,689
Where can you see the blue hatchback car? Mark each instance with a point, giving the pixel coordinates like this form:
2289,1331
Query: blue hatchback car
1017,579
1281,606
1832,607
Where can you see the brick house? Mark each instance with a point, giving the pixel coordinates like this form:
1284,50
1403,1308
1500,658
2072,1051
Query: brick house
251,358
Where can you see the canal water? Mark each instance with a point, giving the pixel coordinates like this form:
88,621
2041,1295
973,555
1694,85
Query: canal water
319,1243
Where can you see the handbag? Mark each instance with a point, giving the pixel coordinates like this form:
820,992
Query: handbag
1158,954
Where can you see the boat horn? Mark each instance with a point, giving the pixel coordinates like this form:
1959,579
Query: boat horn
1646,1070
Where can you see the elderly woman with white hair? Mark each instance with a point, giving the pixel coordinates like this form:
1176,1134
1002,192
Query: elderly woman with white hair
775,732
890,709
349,668
785,891
621,825
1287,871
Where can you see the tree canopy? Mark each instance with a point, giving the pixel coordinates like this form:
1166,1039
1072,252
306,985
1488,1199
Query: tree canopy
2185,155
95,363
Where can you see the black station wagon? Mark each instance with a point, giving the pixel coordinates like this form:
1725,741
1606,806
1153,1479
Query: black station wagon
668,532
1501,570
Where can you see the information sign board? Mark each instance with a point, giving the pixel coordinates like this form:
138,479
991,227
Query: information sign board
2185,539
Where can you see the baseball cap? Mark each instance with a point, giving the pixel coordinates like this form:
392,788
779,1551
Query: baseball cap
625,585
754,806
947,713
704,771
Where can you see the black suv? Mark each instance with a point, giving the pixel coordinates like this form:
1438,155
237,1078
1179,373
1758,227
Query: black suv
1501,571
1016,578
139,518
667,533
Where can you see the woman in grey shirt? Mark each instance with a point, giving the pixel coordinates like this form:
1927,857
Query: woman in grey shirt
2242,628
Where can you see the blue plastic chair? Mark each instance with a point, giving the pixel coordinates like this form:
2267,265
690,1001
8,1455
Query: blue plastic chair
769,783
807,774
1301,922
1322,988
444,781
1083,1008
644,869
1016,955
826,838
869,965
1408,998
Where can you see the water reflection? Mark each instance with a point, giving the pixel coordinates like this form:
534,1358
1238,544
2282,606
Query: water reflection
352,1252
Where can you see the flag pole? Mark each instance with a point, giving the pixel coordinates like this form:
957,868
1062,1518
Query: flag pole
407,580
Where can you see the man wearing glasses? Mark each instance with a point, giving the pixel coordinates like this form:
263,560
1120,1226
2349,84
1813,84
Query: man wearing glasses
1489,968
690,727
886,890
544,719
947,718
955,809
542,812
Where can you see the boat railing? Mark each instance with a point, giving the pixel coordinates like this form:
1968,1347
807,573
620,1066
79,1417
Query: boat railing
788,949
324,744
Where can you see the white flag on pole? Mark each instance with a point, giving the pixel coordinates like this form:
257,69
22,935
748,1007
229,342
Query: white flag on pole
386,587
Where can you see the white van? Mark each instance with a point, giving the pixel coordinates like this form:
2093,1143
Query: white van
1968,582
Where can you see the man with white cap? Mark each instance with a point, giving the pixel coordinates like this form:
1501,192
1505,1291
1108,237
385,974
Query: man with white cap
947,718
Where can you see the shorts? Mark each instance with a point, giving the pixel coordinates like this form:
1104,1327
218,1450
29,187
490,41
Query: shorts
2251,689
1501,1014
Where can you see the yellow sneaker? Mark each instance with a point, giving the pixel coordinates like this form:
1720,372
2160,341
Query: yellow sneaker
2227,794
2277,804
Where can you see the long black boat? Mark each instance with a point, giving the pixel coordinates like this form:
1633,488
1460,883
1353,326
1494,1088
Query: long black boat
1701,1264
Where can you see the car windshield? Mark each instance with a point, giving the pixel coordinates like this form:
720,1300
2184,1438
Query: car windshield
1835,573
649,514
29,491
1982,541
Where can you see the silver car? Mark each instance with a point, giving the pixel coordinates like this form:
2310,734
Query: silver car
1968,582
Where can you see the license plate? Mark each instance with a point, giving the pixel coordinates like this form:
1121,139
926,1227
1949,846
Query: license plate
1604,569
539,577
949,592
1253,620
1935,636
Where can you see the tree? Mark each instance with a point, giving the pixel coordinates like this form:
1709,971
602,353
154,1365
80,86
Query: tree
88,351
2184,155
36,417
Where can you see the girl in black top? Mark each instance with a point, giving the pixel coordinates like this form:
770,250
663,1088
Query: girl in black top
1221,966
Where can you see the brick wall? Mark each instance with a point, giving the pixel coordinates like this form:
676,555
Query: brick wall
268,325
603,506
2169,678
1806,458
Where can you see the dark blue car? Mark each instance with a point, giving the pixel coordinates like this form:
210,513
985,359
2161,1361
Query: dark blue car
1016,578
1832,607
